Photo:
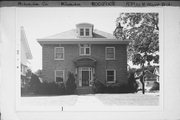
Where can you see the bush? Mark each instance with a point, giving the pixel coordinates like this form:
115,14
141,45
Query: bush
51,88
70,84
98,87
118,88
133,86
112,88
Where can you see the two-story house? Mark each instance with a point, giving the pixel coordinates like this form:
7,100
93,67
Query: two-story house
88,53
26,56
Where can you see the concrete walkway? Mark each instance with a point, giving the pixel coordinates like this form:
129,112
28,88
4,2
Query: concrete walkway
88,100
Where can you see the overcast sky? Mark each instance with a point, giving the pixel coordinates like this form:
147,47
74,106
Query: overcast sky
43,22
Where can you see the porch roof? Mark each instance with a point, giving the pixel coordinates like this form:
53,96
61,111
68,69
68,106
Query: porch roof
84,62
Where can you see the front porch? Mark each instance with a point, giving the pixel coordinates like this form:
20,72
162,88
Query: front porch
85,74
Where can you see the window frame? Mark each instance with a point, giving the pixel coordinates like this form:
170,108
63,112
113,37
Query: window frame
84,50
113,55
56,53
56,76
84,32
114,76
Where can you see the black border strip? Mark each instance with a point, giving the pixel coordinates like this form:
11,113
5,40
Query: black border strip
93,3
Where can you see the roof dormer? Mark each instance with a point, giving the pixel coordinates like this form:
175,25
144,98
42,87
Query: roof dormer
84,30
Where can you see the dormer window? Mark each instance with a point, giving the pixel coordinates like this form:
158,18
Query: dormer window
81,32
87,32
84,30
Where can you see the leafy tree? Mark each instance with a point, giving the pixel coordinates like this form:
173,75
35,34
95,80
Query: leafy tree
143,31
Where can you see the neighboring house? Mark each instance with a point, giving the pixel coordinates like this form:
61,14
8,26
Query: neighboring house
86,52
151,76
25,57
156,72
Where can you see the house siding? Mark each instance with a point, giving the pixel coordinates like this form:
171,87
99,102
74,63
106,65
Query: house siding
71,51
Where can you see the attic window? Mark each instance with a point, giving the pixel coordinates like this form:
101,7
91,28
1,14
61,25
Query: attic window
84,32
87,32
81,32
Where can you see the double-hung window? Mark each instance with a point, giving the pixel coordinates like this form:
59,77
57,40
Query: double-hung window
59,75
59,53
87,32
110,76
84,32
110,53
85,49
81,32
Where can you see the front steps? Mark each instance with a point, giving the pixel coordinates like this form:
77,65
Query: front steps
84,90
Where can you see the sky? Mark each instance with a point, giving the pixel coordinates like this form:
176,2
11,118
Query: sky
43,22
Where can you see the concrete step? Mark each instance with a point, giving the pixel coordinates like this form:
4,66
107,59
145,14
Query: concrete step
84,90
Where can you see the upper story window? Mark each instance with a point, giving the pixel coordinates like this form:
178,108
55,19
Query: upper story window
85,49
59,53
84,30
110,53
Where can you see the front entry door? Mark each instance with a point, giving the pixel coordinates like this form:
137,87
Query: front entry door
85,78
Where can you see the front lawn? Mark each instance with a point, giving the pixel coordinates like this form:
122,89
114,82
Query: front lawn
136,99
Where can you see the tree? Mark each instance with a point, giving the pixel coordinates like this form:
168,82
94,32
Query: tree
70,84
143,31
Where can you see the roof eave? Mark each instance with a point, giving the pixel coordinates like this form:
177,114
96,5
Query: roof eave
72,41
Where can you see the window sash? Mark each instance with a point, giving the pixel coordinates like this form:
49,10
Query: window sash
110,78
84,32
81,32
87,32
110,53
59,77
59,53
85,49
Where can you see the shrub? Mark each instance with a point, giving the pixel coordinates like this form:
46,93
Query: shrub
133,86
34,83
98,87
111,88
118,88
70,84
51,88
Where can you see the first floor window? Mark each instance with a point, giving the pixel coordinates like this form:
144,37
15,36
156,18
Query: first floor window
59,76
110,76
110,53
59,53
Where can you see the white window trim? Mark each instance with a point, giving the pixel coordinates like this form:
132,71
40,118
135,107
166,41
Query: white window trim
55,76
80,32
84,30
106,53
84,50
55,53
114,75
